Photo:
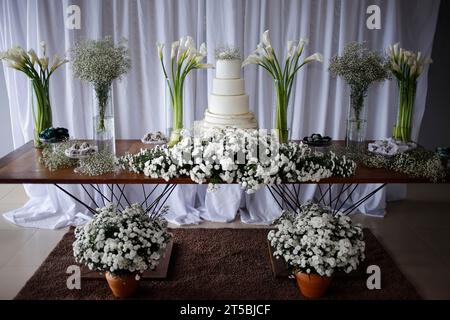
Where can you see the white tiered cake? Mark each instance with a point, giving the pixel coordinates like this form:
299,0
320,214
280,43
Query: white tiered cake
228,103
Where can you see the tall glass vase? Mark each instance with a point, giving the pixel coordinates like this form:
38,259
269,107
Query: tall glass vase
281,123
103,119
356,121
407,95
41,108
175,113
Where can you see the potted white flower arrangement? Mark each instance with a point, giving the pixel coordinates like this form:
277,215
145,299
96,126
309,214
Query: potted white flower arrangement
315,244
122,245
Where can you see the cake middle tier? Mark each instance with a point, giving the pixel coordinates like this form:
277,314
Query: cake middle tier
228,87
228,104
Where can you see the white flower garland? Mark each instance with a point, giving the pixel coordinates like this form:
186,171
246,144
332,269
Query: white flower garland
251,158
121,242
314,241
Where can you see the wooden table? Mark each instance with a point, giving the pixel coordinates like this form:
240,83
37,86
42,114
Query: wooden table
22,166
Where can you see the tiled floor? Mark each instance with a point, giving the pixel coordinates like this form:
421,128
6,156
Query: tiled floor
416,232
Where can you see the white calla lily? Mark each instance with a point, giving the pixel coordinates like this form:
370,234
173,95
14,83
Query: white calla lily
160,47
43,48
265,39
291,47
203,50
314,57
265,56
184,58
252,59
173,49
33,56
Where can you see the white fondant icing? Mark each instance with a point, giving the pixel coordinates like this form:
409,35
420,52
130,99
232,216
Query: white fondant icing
228,87
228,105
244,121
228,69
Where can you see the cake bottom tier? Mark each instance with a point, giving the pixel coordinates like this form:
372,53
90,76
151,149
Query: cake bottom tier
242,121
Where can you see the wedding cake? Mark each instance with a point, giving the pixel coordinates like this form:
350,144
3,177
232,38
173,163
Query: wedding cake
228,103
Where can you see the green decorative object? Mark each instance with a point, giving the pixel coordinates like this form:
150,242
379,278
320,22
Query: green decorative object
283,76
184,57
39,71
406,66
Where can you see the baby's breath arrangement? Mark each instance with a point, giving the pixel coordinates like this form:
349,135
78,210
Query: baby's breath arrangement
99,62
227,53
53,158
359,67
418,162
98,164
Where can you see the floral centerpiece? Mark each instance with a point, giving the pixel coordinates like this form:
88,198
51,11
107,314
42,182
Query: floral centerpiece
406,66
39,70
315,244
359,67
100,62
122,244
251,158
283,75
184,58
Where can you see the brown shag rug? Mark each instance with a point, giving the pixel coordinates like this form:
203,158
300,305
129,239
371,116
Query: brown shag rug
219,264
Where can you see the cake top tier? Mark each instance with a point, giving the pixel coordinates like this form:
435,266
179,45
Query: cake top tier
228,69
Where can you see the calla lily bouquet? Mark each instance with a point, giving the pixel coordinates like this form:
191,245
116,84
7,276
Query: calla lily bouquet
39,70
283,76
406,66
184,57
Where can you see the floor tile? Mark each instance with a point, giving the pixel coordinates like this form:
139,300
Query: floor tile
36,249
11,241
5,189
12,279
16,196
5,224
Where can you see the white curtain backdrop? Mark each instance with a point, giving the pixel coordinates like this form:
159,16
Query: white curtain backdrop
319,102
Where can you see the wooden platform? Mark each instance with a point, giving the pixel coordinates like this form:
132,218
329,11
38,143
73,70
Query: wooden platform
279,268
160,273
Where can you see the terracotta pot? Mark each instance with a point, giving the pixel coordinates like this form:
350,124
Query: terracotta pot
312,286
122,286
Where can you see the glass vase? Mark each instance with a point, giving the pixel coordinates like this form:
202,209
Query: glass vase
174,111
281,105
356,122
407,95
103,119
41,109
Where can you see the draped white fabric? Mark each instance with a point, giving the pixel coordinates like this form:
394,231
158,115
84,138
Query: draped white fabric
319,103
